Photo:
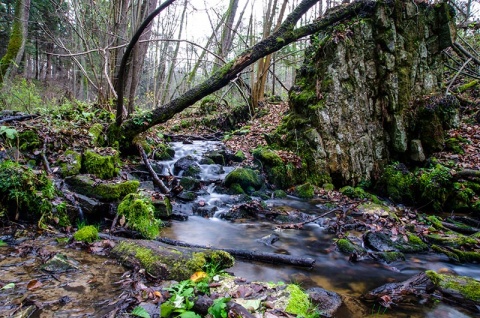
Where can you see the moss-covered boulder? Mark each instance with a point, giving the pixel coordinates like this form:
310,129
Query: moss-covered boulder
106,191
190,184
87,234
305,191
102,162
162,261
278,173
247,178
139,213
70,163
346,246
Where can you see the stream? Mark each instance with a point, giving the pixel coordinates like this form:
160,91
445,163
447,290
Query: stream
332,269
96,286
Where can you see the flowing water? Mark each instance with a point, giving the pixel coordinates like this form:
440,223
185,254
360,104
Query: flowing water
332,269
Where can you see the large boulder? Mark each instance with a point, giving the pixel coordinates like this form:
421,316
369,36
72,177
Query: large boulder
358,100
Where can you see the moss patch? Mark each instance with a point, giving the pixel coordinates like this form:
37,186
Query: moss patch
139,213
95,132
299,303
305,191
103,166
107,191
246,178
87,234
467,286
25,191
70,163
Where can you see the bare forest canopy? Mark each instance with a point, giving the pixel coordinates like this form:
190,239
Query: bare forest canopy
77,47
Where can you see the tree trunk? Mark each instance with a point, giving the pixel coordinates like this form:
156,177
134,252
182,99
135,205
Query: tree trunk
16,44
126,132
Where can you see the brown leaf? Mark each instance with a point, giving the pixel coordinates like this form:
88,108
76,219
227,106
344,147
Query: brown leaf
34,284
122,220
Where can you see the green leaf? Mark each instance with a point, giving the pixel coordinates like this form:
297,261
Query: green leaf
8,286
219,308
189,314
140,312
166,309
2,243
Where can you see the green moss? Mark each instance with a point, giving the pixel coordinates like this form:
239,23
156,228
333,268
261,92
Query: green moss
346,246
239,156
305,191
95,132
398,183
391,256
70,163
452,239
279,194
467,86
87,234
86,185
246,178
164,152
235,188
299,303
29,140
453,144
181,265
413,245
103,166
189,183
25,191
139,213
14,43
267,157
467,286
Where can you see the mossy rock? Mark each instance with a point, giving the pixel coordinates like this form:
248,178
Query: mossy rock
239,156
279,194
390,257
346,246
236,188
104,166
305,191
398,183
70,163
246,178
217,157
25,191
452,239
28,140
190,184
298,303
107,191
458,256
268,157
87,234
162,261
96,132
139,213
164,152
162,208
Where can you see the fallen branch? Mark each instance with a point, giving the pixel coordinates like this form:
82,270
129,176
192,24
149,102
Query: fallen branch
156,180
299,225
467,173
44,158
17,118
250,255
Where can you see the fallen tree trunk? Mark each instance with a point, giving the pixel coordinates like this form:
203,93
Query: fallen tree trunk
163,261
251,255
287,33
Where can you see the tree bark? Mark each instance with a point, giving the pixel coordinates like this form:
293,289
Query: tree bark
16,44
287,33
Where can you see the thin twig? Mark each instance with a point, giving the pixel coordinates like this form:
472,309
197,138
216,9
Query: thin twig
456,75
156,180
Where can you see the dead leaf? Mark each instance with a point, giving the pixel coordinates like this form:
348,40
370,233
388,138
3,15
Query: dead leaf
122,220
198,276
34,284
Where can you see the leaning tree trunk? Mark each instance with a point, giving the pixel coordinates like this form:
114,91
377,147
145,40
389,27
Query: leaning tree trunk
16,44
126,132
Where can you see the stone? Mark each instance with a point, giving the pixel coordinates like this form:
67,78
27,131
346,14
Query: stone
326,302
187,166
416,150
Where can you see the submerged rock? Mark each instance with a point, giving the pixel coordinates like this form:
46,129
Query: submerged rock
187,166
60,263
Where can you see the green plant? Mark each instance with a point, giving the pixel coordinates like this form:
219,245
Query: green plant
140,312
219,307
21,95
181,301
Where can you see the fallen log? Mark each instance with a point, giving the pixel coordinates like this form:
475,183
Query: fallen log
251,255
163,261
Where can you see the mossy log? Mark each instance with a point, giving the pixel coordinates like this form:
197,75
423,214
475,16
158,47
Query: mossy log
162,261
252,255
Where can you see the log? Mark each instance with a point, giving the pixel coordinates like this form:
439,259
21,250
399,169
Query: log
163,261
251,255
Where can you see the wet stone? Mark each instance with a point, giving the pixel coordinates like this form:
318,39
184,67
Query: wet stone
187,166
326,302
60,264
